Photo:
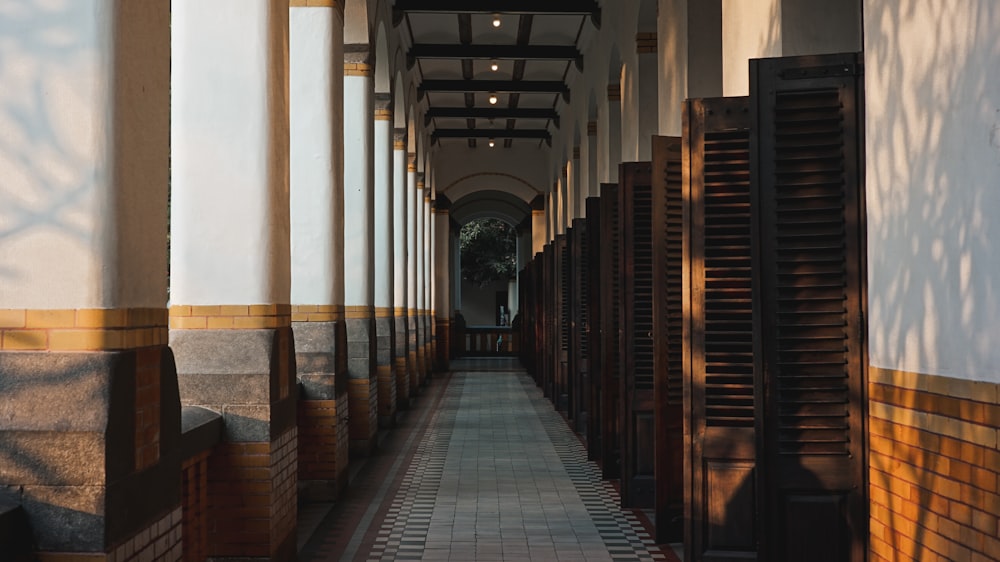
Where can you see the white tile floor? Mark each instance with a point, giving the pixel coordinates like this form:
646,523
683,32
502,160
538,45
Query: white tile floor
500,476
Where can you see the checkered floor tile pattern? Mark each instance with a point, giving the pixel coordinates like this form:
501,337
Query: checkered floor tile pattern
499,475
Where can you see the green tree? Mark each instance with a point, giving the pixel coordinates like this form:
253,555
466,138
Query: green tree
489,251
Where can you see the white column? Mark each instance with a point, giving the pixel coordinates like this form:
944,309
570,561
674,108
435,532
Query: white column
442,278
412,196
400,271
648,94
750,29
317,242
594,180
613,138
428,276
384,215
384,257
359,193
421,303
230,255
84,153
317,157
359,248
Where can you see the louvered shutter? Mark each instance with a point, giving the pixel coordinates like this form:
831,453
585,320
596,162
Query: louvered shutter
668,335
561,394
636,313
593,328
579,378
808,189
721,500
610,294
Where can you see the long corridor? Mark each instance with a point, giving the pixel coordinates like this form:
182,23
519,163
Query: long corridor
479,468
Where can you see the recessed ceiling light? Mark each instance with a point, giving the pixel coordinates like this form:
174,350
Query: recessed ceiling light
494,65
493,98
492,142
496,20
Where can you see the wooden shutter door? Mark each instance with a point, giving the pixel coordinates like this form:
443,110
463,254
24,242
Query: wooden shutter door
668,336
579,366
808,191
721,389
561,393
549,347
610,294
636,312
593,327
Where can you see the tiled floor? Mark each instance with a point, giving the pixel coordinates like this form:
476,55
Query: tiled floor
481,468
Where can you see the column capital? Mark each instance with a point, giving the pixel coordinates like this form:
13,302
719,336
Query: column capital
614,92
576,153
411,162
383,107
335,4
591,128
357,60
645,43
399,139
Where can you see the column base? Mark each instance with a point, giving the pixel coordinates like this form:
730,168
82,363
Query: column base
93,440
362,385
324,440
385,372
400,365
248,376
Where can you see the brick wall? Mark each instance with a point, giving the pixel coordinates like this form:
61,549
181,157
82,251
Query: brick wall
323,440
284,480
251,497
934,468
402,381
363,397
160,542
386,391
194,498
147,407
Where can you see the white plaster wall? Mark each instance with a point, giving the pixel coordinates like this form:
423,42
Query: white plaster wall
359,192
479,303
83,194
383,214
420,247
461,170
442,292
672,63
750,29
933,160
648,96
812,27
399,228
230,216
411,238
538,232
316,49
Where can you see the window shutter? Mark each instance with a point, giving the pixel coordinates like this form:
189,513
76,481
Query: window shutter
808,191
610,295
593,328
721,379
668,335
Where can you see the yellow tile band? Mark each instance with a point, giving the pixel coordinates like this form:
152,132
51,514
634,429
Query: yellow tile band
82,329
357,69
400,311
315,4
359,312
230,317
383,312
317,312
383,115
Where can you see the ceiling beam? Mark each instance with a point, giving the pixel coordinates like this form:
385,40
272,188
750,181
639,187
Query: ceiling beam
498,86
490,113
494,52
542,134
521,7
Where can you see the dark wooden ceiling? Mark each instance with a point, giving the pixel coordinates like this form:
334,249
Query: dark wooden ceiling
455,46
